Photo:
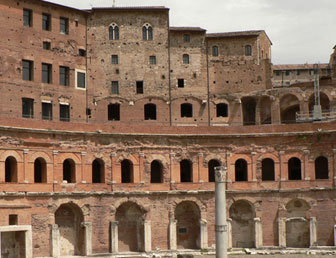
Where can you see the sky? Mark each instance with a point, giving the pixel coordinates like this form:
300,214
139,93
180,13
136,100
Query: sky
302,31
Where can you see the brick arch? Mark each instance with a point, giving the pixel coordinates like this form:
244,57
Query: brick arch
112,100
84,208
272,156
130,157
298,95
235,157
179,157
201,206
47,157
298,155
251,201
61,157
148,98
162,158
220,100
209,157
145,208
189,98
93,157
13,153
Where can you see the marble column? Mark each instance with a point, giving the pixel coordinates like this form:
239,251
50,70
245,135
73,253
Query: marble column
114,236
172,234
258,233
313,232
87,237
282,232
204,233
55,241
148,235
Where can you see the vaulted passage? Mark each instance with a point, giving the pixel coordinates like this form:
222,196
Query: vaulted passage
69,217
289,106
130,227
242,215
187,214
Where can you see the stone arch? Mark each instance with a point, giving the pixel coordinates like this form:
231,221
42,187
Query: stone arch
324,101
130,218
187,215
265,110
13,153
69,218
242,214
39,154
289,105
297,224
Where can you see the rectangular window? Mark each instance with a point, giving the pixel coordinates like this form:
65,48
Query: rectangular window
46,73
81,52
27,17
277,73
64,25
297,72
13,219
180,83
80,79
27,70
114,59
115,87
46,111
46,21
152,60
46,45
139,87
64,75
64,112
287,73
186,38
27,108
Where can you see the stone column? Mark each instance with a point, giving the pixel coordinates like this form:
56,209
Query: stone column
172,234
55,241
282,232
313,232
220,200
229,223
87,237
204,233
258,233
148,235
28,244
114,236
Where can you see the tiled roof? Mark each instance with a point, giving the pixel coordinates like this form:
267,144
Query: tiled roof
186,29
154,8
299,66
247,33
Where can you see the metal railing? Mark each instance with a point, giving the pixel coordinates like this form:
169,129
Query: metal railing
309,116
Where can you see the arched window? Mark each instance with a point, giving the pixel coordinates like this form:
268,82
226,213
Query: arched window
150,111
113,112
211,169
156,172
222,110
294,169
40,170
147,32
114,32
126,171
267,170
11,175
186,170
69,171
214,51
241,170
98,175
185,59
186,110
248,50
321,168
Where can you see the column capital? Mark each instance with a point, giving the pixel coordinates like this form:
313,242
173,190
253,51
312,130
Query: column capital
306,152
113,154
172,155
200,154
220,174
141,154
55,152
253,153
25,151
281,152
83,153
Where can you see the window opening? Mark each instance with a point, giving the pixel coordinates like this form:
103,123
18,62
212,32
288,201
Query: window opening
69,171
321,168
241,170
150,111
139,87
152,60
180,83
115,87
156,172
28,108
147,32
214,51
46,45
126,171
113,32
81,84
64,75
11,170
114,112
46,111
46,73
248,50
294,169
185,59
27,70
97,171
186,38
222,110
114,59
46,24
27,18
186,171
186,110
64,113
40,171
13,219
267,170
64,25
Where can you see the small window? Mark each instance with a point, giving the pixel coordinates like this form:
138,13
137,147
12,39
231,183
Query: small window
214,51
297,72
126,171
222,110
139,87
152,60
186,110
115,59
150,111
113,32
294,169
27,18
248,50
186,171
46,111
46,73
287,73
46,45
115,87
186,38
27,70
64,75
180,83
81,52
277,73
113,111
13,219
80,79
147,32
27,108
64,25
185,59
46,21
241,170
311,72
65,112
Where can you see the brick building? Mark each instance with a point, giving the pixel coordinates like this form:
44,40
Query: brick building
112,122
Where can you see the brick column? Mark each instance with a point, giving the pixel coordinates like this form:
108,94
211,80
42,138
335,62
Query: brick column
200,167
56,178
55,241
172,234
141,168
25,177
114,236
87,237
80,180
174,175
254,166
282,169
276,116
203,234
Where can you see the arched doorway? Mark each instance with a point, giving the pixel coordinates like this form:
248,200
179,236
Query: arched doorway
321,168
130,227
324,102
297,226
188,215
294,169
249,105
69,218
242,215
69,171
